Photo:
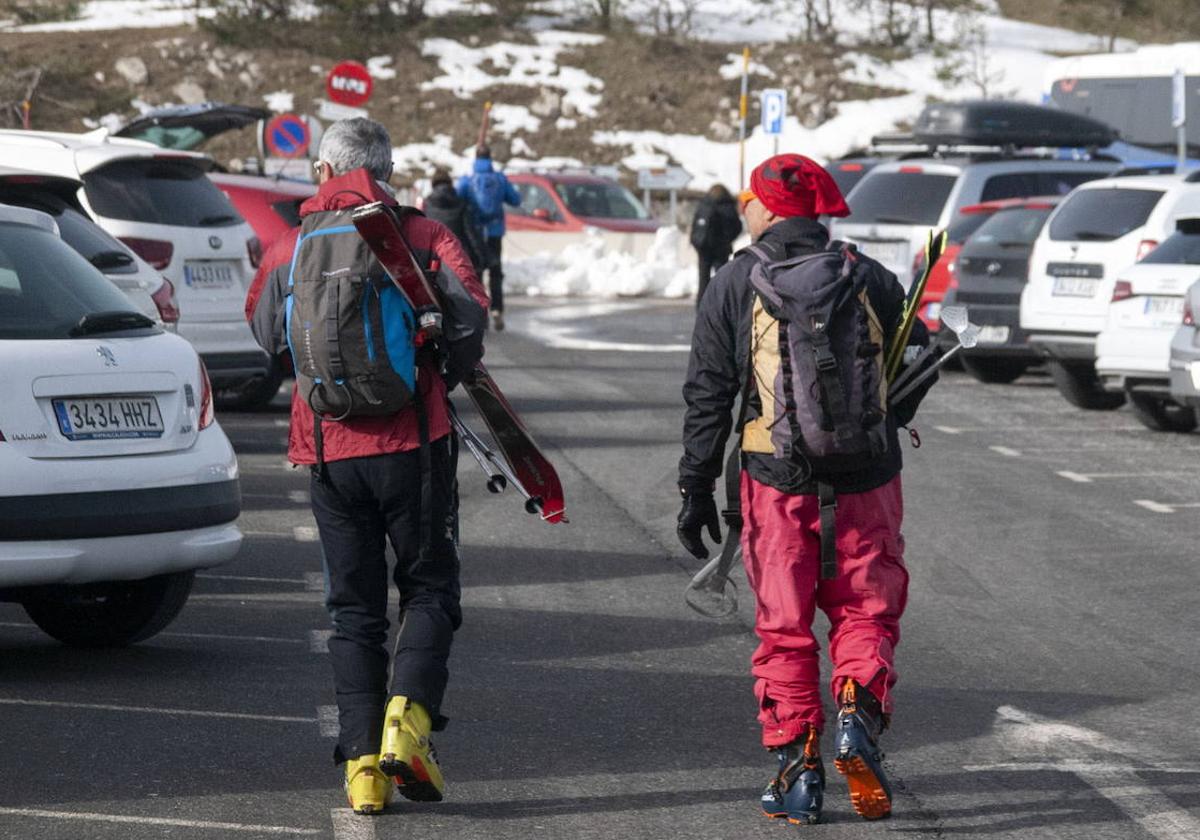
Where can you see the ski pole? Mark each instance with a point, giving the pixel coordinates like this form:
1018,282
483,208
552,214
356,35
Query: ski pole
495,482
707,593
925,374
533,504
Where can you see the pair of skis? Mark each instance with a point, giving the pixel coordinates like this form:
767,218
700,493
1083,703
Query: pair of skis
519,461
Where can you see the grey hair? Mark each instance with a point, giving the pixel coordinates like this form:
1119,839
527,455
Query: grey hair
358,143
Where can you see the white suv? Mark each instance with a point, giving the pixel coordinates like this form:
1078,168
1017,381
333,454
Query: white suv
116,483
1100,229
894,208
162,205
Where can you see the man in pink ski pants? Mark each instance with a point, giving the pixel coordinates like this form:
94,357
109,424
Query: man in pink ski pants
782,517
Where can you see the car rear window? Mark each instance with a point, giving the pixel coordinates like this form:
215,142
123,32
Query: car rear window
1177,249
847,174
900,198
161,192
601,201
964,225
1103,215
1014,226
1026,184
46,287
77,230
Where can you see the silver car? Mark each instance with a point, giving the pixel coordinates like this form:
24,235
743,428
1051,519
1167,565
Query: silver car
1185,346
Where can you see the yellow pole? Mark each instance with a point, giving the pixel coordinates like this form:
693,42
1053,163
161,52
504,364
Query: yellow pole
742,108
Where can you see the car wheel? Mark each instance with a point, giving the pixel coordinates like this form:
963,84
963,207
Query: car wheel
1162,415
253,395
994,370
1080,386
111,614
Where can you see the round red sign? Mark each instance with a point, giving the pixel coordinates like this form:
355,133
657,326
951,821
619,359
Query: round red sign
349,83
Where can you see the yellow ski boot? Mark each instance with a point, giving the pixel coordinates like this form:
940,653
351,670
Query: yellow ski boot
368,790
406,753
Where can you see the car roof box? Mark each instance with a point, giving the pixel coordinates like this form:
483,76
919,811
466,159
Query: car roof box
986,122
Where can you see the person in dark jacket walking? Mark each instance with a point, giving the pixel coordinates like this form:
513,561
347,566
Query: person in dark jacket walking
445,205
715,226
487,191
369,476
782,514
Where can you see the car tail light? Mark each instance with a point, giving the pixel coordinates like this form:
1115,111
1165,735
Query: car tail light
1189,320
912,170
164,299
206,399
1122,290
154,251
255,251
850,167
1145,247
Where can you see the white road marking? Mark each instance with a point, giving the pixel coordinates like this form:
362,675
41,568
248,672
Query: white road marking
223,636
949,430
545,326
300,497
258,597
86,816
305,533
1086,478
348,825
282,424
1007,451
254,579
153,710
1162,507
318,640
1073,766
1074,476
1155,812
314,581
327,721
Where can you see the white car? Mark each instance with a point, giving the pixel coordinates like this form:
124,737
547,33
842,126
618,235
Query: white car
1133,351
161,204
1099,230
151,292
116,483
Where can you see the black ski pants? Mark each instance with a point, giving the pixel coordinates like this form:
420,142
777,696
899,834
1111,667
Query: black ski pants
495,272
709,263
361,505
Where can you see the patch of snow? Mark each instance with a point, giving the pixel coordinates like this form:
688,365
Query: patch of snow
732,69
526,65
592,268
281,101
523,149
317,68
518,164
425,157
439,8
380,67
565,123
125,14
509,119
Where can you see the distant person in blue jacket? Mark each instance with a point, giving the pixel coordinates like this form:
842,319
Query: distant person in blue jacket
487,191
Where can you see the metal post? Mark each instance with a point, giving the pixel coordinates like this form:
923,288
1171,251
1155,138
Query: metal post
646,200
742,109
673,219
776,144
1182,153
1179,115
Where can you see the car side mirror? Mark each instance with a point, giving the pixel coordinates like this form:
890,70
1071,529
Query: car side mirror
542,213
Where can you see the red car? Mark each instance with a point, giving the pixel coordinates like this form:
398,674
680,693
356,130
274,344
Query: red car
942,278
569,202
272,207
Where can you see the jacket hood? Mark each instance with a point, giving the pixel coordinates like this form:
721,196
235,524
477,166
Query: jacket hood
797,234
443,195
350,190
483,165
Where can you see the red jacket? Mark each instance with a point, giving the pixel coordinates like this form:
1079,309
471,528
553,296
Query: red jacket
466,301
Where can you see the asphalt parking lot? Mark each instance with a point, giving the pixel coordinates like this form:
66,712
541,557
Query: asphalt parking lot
1049,671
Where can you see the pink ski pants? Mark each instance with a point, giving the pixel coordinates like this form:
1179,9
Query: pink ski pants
781,549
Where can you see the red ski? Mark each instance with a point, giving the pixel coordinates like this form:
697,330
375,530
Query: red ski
524,464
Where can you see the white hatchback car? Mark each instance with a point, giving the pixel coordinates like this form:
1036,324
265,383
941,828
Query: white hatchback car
1098,231
116,483
1133,351
162,205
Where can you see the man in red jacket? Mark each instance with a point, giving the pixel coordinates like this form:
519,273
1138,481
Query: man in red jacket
367,490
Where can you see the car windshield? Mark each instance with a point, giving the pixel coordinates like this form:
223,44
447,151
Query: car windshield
180,137
161,192
1102,215
900,198
1178,249
965,224
1012,227
601,201
46,288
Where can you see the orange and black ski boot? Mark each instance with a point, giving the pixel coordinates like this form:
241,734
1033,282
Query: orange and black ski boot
407,754
798,790
856,751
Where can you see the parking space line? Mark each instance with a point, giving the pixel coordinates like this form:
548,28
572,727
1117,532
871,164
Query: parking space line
1163,507
300,533
318,640
254,579
327,721
300,497
153,710
282,424
1087,478
179,635
314,581
348,825
1006,451
86,816
949,430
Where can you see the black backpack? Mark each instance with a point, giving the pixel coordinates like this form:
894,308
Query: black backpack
350,330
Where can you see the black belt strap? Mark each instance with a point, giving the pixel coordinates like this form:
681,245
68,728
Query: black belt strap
828,502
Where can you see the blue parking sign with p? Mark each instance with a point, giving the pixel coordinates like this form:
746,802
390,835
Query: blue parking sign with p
774,109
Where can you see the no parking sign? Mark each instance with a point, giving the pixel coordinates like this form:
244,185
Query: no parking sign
286,136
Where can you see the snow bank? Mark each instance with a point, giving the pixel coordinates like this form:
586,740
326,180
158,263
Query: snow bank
592,269
528,65
125,14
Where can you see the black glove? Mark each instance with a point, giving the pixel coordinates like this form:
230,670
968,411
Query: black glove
699,509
